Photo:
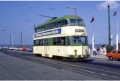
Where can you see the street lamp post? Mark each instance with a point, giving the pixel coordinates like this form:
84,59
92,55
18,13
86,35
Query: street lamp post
11,40
117,36
21,39
109,31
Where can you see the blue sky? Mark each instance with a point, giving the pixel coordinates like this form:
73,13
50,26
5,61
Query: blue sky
20,16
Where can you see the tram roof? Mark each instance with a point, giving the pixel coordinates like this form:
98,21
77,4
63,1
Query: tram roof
59,19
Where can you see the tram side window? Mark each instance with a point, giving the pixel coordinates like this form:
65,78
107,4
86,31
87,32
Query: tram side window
59,41
69,40
36,42
59,24
79,39
52,25
48,26
45,41
83,39
35,30
44,27
39,30
81,23
55,24
41,42
76,39
73,22
62,40
64,23
54,41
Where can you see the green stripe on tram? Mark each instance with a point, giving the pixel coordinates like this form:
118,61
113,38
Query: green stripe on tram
50,42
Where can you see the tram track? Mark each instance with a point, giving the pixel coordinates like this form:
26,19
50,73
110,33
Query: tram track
71,66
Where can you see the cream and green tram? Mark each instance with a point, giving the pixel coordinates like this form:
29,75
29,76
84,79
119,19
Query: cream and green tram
61,37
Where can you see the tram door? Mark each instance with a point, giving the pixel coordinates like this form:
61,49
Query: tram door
45,47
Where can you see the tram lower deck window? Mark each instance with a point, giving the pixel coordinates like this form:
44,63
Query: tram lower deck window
59,41
77,40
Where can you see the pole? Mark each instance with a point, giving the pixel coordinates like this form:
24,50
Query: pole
93,40
117,36
111,40
11,40
21,39
109,33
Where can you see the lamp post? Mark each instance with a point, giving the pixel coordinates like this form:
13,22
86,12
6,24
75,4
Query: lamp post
117,36
93,38
11,40
109,30
21,39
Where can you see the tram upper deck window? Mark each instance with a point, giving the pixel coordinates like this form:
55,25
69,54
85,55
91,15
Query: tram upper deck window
81,23
55,24
59,24
48,26
64,23
42,28
76,22
73,22
36,30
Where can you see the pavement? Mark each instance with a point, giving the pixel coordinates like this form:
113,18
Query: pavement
99,56
103,60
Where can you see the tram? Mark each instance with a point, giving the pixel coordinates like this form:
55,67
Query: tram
61,37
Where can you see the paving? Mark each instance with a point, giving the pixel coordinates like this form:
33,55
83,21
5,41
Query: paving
101,58
12,68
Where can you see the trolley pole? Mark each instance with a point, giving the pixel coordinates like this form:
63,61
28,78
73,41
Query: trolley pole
109,31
